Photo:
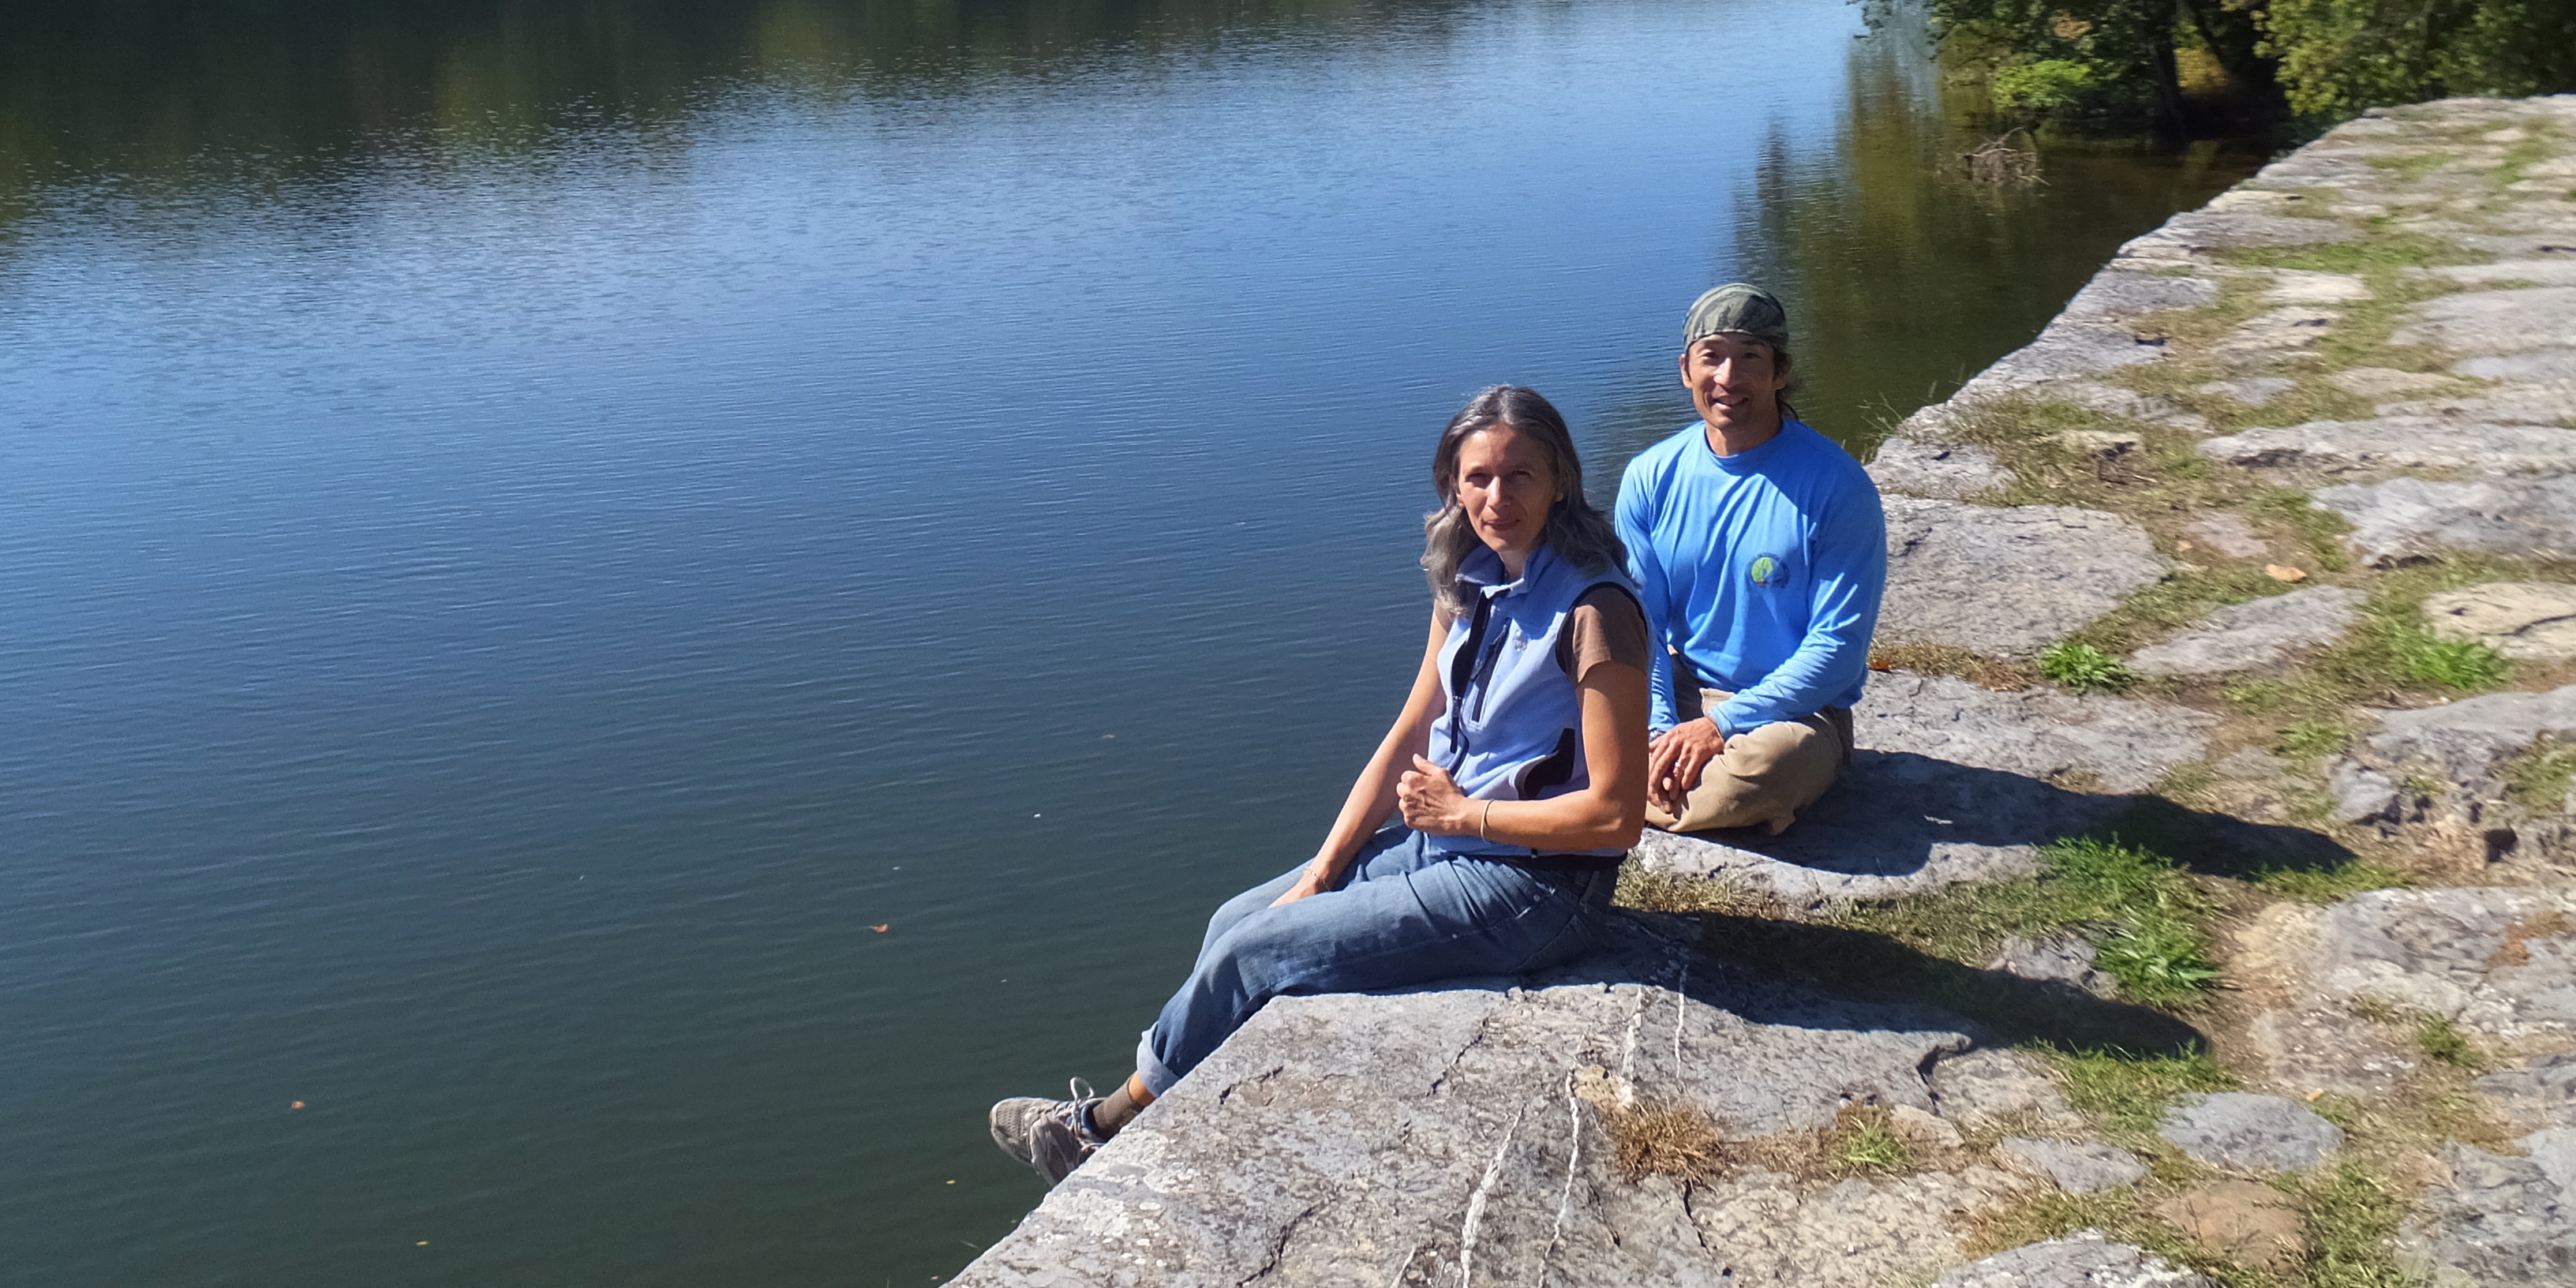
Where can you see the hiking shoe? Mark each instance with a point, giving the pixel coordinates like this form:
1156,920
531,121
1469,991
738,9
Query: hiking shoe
1053,1136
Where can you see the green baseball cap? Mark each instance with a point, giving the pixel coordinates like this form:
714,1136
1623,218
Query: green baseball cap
1740,307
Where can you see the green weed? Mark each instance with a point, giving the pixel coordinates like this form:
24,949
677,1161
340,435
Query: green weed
2130,1093
2351,1215
2157,958
2453,664
2085,669
1867,1144
2443,1041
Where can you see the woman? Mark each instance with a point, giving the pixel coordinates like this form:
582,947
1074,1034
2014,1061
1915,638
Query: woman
1518,765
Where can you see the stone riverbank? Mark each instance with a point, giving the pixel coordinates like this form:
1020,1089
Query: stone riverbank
2198,908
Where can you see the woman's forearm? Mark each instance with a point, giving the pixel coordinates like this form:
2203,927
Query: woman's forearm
1372,797
1584,820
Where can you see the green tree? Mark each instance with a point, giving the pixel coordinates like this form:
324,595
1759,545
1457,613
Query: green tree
2337,57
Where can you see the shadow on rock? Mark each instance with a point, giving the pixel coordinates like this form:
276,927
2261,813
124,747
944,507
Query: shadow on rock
1903,814
1828,977
2007,1009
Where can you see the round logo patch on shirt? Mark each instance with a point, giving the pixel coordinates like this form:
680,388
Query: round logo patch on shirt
1766,571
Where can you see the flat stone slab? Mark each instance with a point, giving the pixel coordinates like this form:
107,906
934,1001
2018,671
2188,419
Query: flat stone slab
2080,1260
2496,959
2399,442
2500,1220
1950,783
2487,322
2248,1132
2404,520
2528,620
1951,471
2465,738
2006,581
1988,1088
2065,959
2260,632
2087,1168
1459,1135
2535,387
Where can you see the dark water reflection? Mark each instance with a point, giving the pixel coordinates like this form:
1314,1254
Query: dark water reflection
529,528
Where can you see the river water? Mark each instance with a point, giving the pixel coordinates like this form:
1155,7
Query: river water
641,607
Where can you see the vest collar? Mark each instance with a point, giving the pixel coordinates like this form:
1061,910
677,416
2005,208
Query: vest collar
1483,569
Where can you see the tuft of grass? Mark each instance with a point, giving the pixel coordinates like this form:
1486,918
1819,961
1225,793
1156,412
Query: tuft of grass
2351,1214
2443,1041
2158,958
1648,890
2322,531
1863,1142
2184,781
2130,1093
1980,669
2326,885
2311,739
2452,664
2435,1035
1663,1140
2085,669
2541,776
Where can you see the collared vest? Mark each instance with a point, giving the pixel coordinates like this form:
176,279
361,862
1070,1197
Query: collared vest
1511,728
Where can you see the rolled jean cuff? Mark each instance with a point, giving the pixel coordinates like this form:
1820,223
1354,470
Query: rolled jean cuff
1158,1079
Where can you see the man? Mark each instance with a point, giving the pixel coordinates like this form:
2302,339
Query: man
1761,550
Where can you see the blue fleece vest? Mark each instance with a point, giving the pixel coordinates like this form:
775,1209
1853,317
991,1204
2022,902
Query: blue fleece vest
1512,728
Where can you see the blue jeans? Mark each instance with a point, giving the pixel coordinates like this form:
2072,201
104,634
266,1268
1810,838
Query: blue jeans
1404,915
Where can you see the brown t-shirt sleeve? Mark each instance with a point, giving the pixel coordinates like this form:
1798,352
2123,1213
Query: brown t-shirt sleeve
1605,626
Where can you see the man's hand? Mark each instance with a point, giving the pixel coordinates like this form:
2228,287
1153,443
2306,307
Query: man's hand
1431,802
1674,760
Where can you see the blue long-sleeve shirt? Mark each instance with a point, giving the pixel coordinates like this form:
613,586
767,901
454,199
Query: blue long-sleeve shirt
1762,569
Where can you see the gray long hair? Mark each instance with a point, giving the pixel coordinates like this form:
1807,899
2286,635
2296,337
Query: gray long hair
1581,535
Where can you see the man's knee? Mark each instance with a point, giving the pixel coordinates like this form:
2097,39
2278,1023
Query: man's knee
1763,777
1790,747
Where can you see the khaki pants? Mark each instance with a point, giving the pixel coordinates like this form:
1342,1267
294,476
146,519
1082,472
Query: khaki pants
1766,774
